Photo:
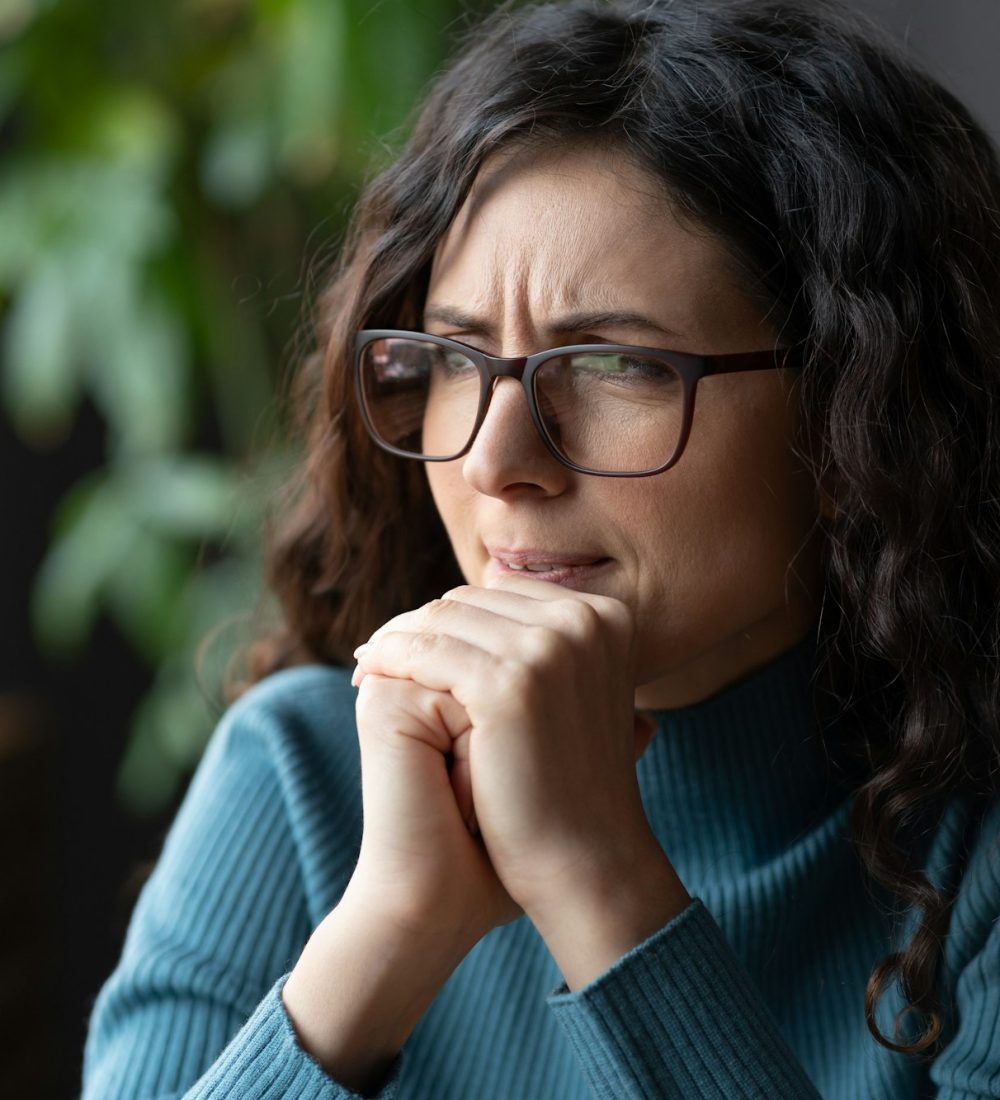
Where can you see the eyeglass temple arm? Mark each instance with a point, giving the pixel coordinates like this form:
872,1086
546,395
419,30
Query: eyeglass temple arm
770,359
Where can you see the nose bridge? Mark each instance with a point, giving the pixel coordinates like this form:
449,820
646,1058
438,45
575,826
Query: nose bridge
515,376
509,448
511,367
499,368
505,367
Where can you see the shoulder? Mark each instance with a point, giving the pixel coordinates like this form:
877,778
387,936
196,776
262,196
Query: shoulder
300,694
260,849
966,861
979,887
971,956
279,783
306,711
296,727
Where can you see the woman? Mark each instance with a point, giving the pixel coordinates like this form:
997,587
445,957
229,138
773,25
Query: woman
668,763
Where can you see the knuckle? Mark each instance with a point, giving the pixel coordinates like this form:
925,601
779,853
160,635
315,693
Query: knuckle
371,698
616,613
543,645
514,678
581,617
435,608
424,641
619,613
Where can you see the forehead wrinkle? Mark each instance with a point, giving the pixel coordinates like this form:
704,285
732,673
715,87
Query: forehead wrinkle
550,266
560,242
568,284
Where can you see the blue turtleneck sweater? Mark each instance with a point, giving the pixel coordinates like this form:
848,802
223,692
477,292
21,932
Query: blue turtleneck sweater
756,989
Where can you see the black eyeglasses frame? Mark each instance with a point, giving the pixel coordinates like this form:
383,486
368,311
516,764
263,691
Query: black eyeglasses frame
691,369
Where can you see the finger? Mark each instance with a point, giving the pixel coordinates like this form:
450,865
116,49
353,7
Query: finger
440,711
534,588
609,609
439,661
461,782
522,606
494,632
513,597
485,616
562,610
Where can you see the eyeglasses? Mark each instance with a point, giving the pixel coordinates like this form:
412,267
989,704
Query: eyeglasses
607,409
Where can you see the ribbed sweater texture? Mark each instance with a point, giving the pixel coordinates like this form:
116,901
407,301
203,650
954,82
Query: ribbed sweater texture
756,989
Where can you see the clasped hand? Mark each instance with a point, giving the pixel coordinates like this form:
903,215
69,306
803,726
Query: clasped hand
526,689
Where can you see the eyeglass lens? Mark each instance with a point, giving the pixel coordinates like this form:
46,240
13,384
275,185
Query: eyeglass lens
610,411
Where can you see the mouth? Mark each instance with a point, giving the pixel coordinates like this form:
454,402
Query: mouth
571,570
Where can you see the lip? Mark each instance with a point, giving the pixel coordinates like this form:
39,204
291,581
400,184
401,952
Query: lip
534,556
569,573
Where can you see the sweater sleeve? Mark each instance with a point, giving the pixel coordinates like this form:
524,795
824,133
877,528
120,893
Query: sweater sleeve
968,1066
676,1017
193,1008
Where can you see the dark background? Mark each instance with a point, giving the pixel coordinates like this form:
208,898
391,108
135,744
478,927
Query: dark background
72,856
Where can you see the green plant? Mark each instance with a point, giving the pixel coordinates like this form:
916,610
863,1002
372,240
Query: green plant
169,173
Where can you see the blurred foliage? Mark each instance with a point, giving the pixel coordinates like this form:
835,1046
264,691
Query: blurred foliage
169,171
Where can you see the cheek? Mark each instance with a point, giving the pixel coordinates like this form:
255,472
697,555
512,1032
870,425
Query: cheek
713,545
442,490
451,495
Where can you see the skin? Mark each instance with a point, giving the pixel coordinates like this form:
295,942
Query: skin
537,689
714,557
713,565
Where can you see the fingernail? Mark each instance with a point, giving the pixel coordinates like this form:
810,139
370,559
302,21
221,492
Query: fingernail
361,648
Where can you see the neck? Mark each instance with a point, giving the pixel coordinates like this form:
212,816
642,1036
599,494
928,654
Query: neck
729,662
730,781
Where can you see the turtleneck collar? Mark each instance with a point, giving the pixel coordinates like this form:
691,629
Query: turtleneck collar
732,781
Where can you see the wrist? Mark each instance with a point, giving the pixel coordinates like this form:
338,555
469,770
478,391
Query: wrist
361,985
603,915
441,914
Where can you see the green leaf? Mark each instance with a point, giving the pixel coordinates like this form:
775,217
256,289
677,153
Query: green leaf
237,163
148,776
137,360
17,15
174,721
122,281
41,359
238,160
142,594
18,231
70,582
184,719
132,125
312,61
125,212
192,496
73,239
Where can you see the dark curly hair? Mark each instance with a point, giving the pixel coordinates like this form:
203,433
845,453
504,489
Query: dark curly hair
860,202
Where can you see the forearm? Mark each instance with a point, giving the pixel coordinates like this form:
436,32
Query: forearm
589,927
359,988
680,1016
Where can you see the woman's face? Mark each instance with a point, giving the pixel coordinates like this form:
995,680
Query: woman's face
718,557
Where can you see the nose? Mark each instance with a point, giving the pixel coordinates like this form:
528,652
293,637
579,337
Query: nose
508,451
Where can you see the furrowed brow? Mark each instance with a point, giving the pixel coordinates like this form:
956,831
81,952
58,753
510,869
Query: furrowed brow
580,321
452,315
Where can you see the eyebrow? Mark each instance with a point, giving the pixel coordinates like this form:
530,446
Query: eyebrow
580,321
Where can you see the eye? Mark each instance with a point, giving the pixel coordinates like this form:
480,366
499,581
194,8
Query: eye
454,362
470,340
613,368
